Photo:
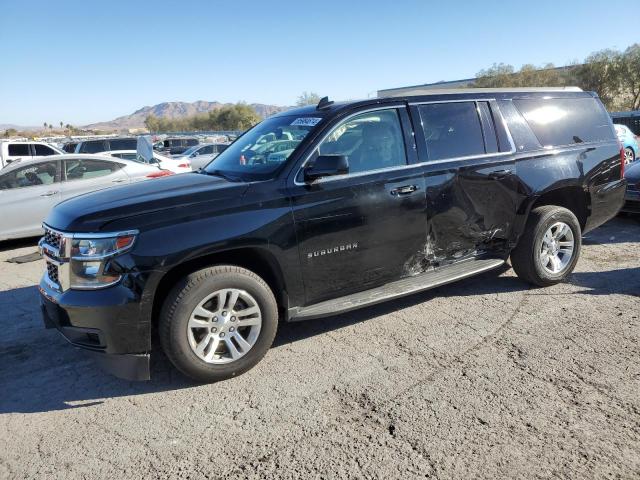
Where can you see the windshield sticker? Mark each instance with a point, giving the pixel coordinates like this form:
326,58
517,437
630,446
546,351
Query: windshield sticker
306,121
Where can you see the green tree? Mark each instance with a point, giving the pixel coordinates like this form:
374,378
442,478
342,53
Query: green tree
152,123
629,77
10,132
504,76
600,73
308,98
498,75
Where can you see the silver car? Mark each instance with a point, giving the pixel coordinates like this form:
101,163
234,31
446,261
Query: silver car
200,155
29,189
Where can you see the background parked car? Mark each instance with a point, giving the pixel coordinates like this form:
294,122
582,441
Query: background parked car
632,195
28,190
629,142
11,151
175,165
178,145
201,155
106,144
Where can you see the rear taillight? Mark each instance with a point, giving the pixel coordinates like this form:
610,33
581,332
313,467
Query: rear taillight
160,173
621,161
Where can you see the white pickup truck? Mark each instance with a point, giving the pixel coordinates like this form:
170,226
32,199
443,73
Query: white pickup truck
15,150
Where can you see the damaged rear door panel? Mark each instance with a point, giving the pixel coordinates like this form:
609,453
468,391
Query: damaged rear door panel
471,181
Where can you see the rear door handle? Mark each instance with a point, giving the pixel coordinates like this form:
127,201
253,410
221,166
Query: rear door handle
50,193
405,190
119,180
498,174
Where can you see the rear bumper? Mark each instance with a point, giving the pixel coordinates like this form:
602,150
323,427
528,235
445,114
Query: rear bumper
606,202
107,323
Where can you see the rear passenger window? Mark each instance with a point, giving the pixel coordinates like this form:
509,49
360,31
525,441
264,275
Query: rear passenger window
19,149
371,141
452,130
566,121
82,169
43,150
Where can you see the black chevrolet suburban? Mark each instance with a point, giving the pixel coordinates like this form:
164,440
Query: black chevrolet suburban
324,209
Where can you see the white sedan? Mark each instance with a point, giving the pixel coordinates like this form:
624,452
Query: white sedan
28,190
181,165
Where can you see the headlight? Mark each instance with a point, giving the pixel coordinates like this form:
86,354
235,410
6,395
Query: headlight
90,257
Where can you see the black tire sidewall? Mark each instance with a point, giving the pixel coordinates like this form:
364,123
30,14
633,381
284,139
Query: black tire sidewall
559,215
190,294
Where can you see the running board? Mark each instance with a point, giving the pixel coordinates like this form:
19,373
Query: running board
399,288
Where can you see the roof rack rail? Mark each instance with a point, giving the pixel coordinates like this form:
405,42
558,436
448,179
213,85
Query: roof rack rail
324,103
415,91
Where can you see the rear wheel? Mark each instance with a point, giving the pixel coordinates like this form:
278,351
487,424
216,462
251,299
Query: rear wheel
218,322
549,247
629,155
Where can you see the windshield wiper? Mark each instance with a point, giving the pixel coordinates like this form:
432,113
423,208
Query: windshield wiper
218,173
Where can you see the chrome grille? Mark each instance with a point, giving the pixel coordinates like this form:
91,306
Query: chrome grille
52,273
52,238
633,188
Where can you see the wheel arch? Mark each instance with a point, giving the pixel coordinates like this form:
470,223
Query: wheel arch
573,198
258,260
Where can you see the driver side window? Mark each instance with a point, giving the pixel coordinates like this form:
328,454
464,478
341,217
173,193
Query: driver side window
42,173
370,141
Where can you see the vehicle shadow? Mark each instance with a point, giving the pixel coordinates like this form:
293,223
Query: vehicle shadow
19,243
621,229
40,372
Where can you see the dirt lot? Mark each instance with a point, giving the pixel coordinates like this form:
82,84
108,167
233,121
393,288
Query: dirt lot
487,378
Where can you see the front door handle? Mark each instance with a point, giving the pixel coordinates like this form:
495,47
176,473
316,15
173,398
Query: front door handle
50,193
405,190
119,180
498,174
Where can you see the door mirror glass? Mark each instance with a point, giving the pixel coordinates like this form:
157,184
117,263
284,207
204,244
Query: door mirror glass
326,166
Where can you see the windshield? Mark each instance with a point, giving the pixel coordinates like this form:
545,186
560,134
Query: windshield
259,153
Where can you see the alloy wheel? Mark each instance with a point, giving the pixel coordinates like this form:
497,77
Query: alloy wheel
224,326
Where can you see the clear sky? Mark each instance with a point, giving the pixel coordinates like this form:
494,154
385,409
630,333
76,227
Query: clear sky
85,61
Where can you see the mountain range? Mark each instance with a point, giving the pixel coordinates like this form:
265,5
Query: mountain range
175,110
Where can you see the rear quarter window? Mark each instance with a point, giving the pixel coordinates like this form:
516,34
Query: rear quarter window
92,146
566,121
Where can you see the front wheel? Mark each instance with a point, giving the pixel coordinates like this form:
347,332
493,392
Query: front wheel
629,155
549,247
218,322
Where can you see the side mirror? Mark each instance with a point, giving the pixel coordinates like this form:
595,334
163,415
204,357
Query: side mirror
326,166
195,154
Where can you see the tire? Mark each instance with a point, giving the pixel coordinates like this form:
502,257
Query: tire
528,258
629,155
184,343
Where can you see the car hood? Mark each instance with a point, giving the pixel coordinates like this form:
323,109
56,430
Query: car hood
138,204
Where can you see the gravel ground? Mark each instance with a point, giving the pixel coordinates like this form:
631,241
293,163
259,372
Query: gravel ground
486,378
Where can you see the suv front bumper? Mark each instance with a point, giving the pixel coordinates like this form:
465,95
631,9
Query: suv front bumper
108,323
